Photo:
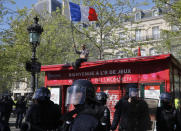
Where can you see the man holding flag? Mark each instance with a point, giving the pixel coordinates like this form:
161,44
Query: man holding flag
83,56
79,13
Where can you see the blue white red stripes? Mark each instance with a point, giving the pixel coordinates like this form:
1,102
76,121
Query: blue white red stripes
80,13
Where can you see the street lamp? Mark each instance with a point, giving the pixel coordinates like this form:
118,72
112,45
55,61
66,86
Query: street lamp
33,66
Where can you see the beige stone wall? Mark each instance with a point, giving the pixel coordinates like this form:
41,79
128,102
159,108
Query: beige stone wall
146,26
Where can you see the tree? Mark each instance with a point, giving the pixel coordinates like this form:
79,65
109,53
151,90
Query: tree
4,16
109,30
171,41
56,46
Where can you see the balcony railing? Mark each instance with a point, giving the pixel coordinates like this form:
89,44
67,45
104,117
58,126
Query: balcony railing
142,38
147,38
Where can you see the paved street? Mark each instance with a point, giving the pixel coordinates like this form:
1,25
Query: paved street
12,124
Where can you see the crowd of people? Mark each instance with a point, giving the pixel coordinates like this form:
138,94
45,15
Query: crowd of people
90,112
8,106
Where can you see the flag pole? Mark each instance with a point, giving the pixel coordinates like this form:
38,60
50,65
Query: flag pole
72,30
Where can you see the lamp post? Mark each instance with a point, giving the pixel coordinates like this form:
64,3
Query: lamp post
33,66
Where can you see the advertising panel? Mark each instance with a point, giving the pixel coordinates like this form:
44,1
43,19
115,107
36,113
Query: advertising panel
55,95
152,92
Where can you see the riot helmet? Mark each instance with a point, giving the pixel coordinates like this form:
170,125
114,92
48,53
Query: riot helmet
6,96
80,92
101,97
165,96
166,99
41,94
22,98
133,92
130,85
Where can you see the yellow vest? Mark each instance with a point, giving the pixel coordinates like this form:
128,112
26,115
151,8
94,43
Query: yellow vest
177,103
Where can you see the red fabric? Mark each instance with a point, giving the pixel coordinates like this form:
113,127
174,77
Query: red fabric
139,51
92,15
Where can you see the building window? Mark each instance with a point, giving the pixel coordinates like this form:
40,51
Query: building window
143,52
152,51
97,25
138,35
122,37
137,16
174,28
156,32
85,25
120,54
156,12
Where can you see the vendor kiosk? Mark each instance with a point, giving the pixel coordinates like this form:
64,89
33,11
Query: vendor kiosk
154,74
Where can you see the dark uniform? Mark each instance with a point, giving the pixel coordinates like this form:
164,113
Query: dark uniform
118,110
8,102
105,117
166,114
132,113
44,115
3,124
88,112
20,110
178,119
2,109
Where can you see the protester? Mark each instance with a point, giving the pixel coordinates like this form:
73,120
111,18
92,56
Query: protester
84,53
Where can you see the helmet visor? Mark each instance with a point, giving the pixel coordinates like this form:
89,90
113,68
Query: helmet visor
40,93
75,95
133,92
98,96
37,94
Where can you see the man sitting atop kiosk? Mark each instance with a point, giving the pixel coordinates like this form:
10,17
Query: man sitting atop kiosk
84,53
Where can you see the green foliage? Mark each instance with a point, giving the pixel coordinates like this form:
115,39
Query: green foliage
55,47
58,38
171,41
104,33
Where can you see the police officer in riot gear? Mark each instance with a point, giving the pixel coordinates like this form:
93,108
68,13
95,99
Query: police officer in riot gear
20,110
132,113
43,114
8,102
105,119
4,126
119,105
88,112
166,114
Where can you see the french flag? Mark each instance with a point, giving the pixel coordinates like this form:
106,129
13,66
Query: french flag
76,12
